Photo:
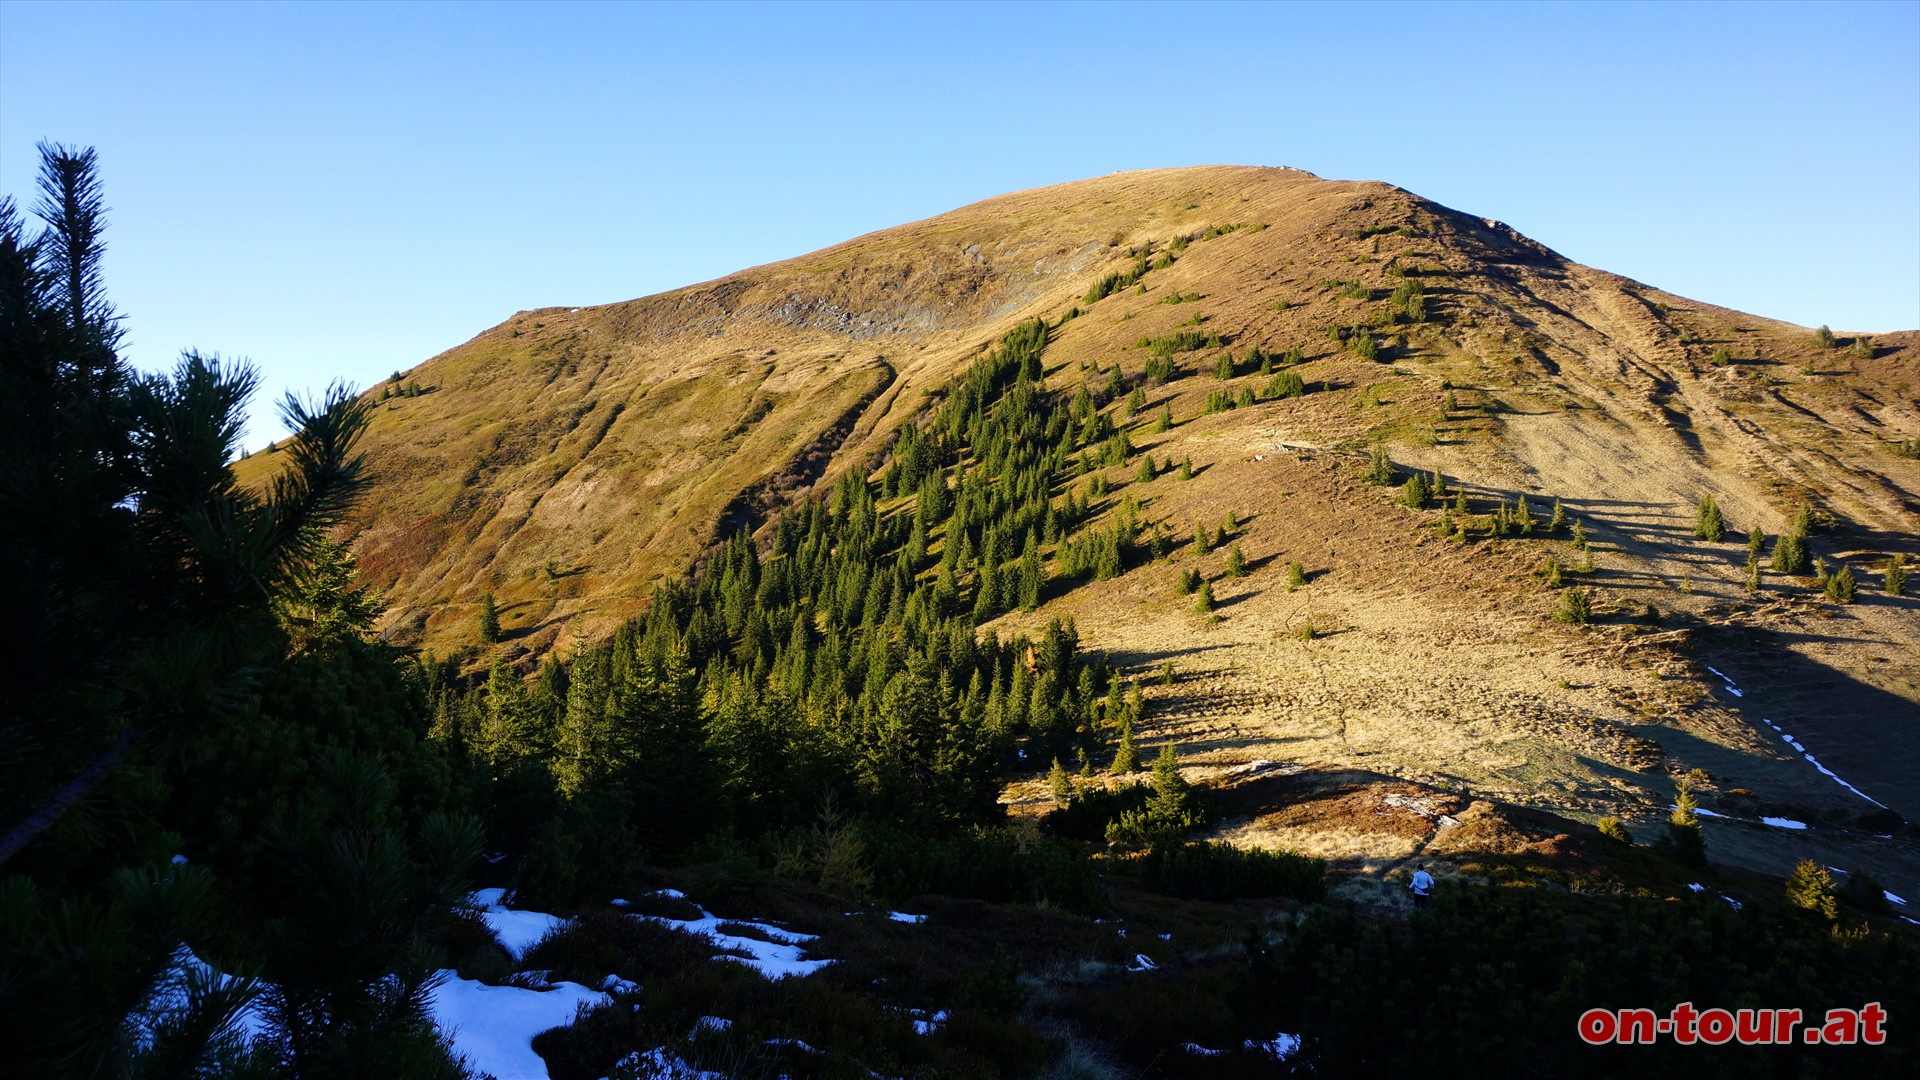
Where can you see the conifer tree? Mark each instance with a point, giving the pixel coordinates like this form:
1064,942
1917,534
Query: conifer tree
1415,492
1203,603
1296,575
488,622
1707,522
1059,784
1685,840
1164,421
1126,757
1559,519
1841,585
1896,578
1236,562
1379,467
1810,888
1148,470
1575,607
1789,554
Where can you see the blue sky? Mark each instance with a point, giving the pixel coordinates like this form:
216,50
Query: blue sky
345,190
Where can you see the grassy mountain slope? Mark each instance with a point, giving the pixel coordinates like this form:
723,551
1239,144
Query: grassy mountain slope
568,459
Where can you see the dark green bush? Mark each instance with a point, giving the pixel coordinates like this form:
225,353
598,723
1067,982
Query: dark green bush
1220,872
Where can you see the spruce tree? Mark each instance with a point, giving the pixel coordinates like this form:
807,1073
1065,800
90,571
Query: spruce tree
1202,539
1841,585
1164,421
1559,519
1575,607
1296,575
1379,467
1236,562
1126,757
1707,522
1148,470
1203,603
1810,888
1685,840
1189,580
1789,554
1896,579
489,619
1416,492
1171,809
1059,784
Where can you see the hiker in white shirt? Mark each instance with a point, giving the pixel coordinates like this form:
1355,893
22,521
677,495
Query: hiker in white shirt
1422,887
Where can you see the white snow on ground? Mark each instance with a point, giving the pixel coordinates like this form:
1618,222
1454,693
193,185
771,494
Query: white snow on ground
1815,762
1142,962
614,984
1731,689
1696,886
901,916
1731,900
1893,898
661,1065
1196,1048
1702,811
775,959
711,1023
517,930
1784,823
494,1026
1280,1047
927,1025
170,993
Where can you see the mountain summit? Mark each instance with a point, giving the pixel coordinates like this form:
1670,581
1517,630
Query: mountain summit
1548,620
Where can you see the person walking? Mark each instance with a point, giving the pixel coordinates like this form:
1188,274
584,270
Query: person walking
1422,887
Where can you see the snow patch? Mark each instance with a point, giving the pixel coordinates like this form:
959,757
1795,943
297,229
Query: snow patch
901,916
1142,962
775,959
1196,1048
1815,762
1696,886
711,1023
1280,1047
1783,823
493,1026
1731,900
170,993
661,1065
1893,898
517,930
